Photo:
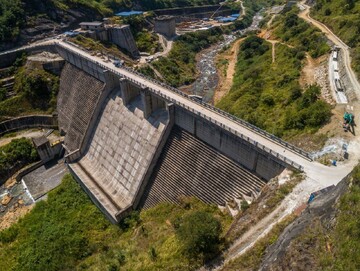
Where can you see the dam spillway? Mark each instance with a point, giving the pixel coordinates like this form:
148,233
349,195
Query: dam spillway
190,167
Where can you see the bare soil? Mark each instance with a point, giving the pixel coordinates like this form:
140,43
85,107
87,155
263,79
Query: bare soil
225,81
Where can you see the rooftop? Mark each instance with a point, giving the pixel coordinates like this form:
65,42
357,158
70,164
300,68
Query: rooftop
39,141
92,23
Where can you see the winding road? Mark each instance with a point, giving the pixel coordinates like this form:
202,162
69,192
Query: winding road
305,14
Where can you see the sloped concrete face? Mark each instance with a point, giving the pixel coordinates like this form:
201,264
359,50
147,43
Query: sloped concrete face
120,152
190,167
78,96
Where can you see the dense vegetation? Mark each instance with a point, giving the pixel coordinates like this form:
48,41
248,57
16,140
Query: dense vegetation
199,232
36,92
268,94
330,239
343,17
295,31
16,14
68,232
179,67
344,238
16,154
11,19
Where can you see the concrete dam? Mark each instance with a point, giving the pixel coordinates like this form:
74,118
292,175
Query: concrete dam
133,142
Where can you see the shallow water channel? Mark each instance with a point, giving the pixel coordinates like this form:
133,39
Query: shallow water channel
208,79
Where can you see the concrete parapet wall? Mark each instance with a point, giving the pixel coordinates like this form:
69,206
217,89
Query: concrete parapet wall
83,64
26,122
19,171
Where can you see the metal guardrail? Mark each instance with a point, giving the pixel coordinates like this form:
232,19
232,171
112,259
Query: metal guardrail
205,105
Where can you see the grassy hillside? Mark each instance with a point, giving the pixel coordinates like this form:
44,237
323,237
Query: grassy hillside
343,17
36,92
268,94
300,34
68,232
16,14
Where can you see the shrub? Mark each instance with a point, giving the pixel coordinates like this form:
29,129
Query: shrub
18,152
199,232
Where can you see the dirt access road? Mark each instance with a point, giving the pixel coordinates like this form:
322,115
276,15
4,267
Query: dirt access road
305,14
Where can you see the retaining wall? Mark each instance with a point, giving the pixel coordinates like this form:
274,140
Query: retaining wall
34,121
7,59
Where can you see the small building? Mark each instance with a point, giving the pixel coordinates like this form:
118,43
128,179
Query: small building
226,19
95,26
46,150
165,25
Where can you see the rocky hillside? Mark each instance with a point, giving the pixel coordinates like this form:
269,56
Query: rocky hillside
326,235
25,21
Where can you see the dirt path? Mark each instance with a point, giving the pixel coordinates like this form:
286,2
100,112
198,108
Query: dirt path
273,43
307,76
225,82
26,133
243,9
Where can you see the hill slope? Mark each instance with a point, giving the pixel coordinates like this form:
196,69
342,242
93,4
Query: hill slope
21,21
343,17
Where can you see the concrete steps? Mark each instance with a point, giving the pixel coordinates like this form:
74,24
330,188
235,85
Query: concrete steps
78,96
190,167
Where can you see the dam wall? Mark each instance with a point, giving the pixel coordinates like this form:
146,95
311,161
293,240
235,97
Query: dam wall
239,149
122,149
26,122
190,167
78,97
90,67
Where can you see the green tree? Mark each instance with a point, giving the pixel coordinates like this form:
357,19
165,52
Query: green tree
199,232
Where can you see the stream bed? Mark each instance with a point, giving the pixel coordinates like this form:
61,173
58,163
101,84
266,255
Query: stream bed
208,79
